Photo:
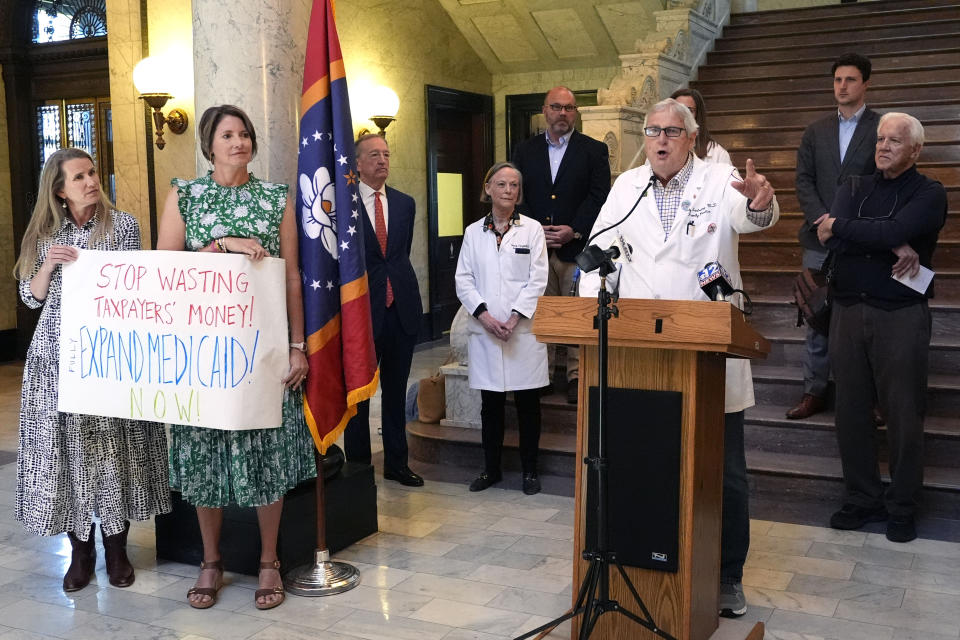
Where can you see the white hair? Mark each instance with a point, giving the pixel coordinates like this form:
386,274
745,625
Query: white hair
689,122
914,128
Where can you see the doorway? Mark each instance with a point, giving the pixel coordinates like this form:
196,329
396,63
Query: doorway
459,151
53,56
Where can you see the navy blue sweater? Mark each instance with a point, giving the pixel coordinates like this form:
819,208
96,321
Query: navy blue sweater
873,216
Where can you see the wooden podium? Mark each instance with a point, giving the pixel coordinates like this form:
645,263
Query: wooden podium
662,345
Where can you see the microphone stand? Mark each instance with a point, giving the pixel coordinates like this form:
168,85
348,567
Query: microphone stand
593,598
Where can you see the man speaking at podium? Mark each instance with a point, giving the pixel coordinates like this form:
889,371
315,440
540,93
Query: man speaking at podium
692,214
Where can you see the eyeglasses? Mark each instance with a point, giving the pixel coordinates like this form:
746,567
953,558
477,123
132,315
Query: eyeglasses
569,108
654,132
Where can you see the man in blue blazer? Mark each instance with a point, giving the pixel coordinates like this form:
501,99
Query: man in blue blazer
566,178
395,308
833,148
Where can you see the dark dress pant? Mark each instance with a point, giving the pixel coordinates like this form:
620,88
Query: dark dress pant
881,354
735,527
492,411
394,355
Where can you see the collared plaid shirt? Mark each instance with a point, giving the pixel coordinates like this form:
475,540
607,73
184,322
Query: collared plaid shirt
668,197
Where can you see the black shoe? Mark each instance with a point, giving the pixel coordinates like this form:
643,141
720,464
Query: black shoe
404,476
901,529
853,516
573,388
531,484
485,481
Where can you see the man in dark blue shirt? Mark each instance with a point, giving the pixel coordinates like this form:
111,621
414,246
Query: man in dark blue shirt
882,229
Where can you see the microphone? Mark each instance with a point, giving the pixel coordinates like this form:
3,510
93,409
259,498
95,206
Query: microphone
593,256
574,282
715,281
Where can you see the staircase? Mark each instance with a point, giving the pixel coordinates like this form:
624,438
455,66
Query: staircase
766,80
777,64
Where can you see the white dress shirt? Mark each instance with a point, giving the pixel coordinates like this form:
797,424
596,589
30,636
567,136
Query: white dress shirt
367,197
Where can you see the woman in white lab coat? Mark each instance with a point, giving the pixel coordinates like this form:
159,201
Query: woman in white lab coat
501,272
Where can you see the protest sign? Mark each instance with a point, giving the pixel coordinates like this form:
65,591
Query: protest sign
174,336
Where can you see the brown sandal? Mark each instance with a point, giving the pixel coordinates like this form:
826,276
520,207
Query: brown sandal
211,592
272,591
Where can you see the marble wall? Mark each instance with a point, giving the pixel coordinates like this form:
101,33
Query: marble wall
124,47
591,78
250,54
170,35
8,286
389,42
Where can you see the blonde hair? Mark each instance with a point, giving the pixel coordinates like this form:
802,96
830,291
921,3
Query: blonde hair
49,212
492,171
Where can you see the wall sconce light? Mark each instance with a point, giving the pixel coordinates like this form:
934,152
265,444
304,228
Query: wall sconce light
148,77
384,104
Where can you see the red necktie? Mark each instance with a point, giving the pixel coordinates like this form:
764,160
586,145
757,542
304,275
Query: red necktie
380,227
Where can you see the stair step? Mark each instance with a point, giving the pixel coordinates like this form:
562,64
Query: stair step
788,348
886,17
773,313
778,280
832,33
774,415
946,172
914,91
816,80
787,139
789,206
789,224
823,467
946,151
925,42
458,446
760,250
798,116
772,384
849,11
887,62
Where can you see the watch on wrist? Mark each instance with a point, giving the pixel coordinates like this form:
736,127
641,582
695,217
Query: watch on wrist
299,346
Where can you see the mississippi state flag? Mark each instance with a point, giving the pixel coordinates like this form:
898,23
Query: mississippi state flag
336,301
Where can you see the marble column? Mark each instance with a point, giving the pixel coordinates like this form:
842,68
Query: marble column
249,53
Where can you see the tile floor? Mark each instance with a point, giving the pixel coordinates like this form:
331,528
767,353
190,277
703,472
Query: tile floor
450,565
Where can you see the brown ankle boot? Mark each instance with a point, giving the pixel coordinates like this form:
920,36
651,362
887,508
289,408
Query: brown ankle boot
119,569
82,562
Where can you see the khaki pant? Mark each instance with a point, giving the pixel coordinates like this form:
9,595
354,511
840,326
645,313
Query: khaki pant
559,282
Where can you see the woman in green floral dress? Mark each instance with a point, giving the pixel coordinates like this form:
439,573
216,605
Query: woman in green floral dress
229,210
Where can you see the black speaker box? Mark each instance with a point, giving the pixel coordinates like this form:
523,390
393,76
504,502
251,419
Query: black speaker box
643,464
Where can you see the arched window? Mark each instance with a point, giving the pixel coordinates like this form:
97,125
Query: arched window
57,20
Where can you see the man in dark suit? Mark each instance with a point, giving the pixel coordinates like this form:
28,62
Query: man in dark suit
832,149
395,308
566,178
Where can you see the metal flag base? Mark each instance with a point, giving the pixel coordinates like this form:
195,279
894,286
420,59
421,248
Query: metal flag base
325,577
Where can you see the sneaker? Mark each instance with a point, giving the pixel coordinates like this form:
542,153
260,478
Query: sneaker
853,516
901,529
733,603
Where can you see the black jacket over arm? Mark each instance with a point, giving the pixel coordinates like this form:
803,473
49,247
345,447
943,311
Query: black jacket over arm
819,170
583,181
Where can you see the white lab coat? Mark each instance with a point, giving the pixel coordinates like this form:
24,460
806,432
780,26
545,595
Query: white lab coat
511,278
711,217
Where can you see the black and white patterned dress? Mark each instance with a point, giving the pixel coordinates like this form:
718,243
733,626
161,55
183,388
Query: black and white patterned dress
71,467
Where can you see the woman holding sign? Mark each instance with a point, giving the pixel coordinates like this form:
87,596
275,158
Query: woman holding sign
70,466
231,211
